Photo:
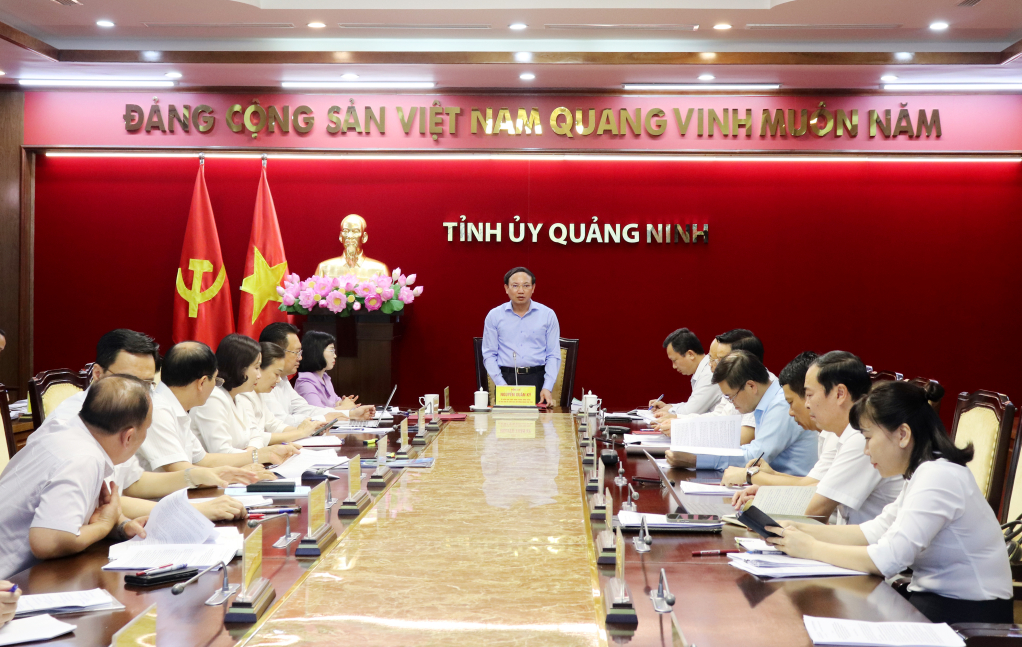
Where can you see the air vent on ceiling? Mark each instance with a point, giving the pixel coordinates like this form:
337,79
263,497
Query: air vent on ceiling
798,26
384,25
220,25
640,27
68,3
968,3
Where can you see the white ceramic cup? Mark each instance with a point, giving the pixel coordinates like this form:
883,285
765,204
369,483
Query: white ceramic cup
431,402
482,399
591,403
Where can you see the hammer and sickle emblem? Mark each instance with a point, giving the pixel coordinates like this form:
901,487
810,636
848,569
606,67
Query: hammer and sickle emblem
194,296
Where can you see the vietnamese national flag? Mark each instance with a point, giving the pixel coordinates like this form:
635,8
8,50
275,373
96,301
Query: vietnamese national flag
202,301
265,268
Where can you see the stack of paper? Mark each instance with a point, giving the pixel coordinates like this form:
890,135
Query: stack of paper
300,491
708,435
632,521
646,440
757,545
691,487
306,461
320,441
36,628
643,414
68,602
18,408
247,500
833,631
778,566
791,500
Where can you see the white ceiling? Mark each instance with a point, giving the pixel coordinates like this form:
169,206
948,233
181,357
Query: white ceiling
644,26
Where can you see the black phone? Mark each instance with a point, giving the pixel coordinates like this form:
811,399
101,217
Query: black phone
680,517
166,577
757,521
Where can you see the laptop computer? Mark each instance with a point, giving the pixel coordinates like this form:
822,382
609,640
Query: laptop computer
692,504
380,415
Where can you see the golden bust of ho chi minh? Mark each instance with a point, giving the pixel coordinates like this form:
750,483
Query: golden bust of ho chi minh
354,261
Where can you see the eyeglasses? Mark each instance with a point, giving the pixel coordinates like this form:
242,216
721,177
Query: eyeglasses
296,353
523,286
731,398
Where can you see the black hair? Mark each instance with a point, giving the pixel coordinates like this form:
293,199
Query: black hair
842,367
750,343
111,344
313,346
271,353
732,336
739,367
3,334
187,362
116,403
793,375
277,332
515,270
892,404
234,355
683,340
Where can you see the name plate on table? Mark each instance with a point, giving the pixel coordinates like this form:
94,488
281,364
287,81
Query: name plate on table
140,631
515,396
357,500
320,533
515,428
256,592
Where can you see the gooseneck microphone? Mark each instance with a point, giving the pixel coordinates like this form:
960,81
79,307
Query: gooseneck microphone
179,588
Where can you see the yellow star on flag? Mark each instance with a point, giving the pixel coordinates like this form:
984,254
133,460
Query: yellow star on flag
262,283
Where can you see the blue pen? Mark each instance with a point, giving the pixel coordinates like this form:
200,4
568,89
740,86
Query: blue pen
660,398
13,589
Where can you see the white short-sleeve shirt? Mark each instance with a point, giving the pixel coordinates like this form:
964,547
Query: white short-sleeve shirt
943,528
170,438
220,425
854,483
53,484
285,404
828,450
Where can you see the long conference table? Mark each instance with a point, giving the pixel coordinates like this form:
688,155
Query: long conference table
492,545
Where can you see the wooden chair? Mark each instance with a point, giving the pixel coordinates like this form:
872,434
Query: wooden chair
48,389
5,420
884,376
984,418
563,387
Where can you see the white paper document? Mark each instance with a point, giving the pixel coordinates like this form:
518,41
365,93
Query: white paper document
176,521
300,491
67,602
247,500
647,440
632,521
784,499
305,461
834,631
709,489
24,630
757,545
320,441
643,414
781,566
709,435
139,557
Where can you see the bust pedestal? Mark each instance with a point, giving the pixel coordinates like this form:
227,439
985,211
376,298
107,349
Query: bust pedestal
365,352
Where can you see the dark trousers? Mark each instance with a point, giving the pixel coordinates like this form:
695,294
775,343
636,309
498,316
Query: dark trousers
941,609
531,379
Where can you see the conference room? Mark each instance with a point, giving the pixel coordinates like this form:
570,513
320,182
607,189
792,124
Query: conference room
681,323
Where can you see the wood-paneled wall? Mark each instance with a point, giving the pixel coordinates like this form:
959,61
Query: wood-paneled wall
16,358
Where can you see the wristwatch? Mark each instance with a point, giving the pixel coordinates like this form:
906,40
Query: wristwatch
749,473
255,456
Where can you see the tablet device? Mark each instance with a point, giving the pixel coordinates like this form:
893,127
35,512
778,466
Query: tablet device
757,521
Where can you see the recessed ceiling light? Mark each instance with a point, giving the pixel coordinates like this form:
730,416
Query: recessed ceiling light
517,26
349,76
105,23
95,83
904,56
173,75
938,26
317,25
523,57
888,77
722,26
358,85
526,76
952,87
706,77
701,87
2,73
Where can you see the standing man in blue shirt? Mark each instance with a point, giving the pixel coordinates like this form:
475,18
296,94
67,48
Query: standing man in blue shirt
523,337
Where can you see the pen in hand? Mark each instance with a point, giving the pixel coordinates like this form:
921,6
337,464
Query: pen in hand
759,459
13,589
658,400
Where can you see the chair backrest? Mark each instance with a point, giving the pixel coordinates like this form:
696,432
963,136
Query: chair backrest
48,389
984,418
884,376
564,386
5,421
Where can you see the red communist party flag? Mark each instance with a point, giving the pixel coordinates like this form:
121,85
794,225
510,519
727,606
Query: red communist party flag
202,302
265,267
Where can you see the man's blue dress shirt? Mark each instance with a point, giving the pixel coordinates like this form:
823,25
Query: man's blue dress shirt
534,337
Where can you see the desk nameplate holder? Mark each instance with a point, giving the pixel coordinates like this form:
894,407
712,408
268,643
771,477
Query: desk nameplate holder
405,448
433,425
617,598
382,475
139,631
320,532
594,481
607,548
447,400
586,440
357,499
589,457
421,429
256,592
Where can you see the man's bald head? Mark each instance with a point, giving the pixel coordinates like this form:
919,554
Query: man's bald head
187,362
116,403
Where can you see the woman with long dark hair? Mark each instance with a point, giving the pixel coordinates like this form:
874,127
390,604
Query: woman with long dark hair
941,526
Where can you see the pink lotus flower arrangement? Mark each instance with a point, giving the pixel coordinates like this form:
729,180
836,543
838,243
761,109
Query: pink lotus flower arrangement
347,294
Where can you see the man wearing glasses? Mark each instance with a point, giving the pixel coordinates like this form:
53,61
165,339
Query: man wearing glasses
745,383
521,339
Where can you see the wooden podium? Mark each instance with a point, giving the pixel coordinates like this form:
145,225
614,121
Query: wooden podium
365,352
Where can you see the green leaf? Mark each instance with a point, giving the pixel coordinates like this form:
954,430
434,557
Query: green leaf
301,310
387,308
396,305
345,313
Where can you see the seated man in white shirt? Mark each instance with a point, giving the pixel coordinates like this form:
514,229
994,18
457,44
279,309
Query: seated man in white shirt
844,477
283,402
188,377
688,358
126,352
56,501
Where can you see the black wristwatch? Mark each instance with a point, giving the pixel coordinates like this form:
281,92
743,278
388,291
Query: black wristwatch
749,473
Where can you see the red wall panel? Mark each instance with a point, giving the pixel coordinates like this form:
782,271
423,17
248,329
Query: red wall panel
908,264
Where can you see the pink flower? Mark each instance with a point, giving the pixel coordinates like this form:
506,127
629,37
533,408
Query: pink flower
417,291
280,291
387,294
288,299
336,301
309,283
411,279
396,273
324,285
383,282
348,282
373,302
356,306
401,280
307,299
365,288
406,295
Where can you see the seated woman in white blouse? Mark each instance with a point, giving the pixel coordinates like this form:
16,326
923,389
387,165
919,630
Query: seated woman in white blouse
221,425
274,431
941,525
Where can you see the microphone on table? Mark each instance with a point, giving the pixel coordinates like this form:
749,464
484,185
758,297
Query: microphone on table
644,529
178,588
514,356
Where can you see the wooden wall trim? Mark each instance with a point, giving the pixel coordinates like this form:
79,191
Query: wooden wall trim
31,43
12,128
26,295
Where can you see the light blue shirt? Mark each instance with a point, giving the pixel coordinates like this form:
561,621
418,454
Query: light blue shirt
534,337
786,446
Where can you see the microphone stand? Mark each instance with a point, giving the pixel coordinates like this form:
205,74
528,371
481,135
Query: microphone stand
288,538
218,598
